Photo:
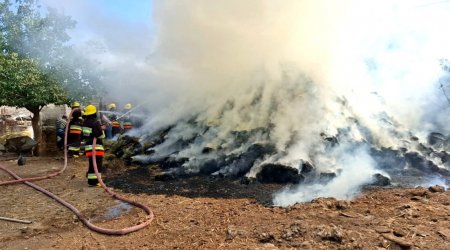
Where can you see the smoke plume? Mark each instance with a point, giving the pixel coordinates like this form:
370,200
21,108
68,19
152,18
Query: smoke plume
289,74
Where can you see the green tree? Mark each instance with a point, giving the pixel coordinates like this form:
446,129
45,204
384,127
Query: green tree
32,32
38,65
24,84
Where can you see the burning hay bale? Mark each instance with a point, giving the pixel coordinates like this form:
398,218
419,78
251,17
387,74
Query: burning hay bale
380,180
126,147
191,149
215,161
278,173
421,163
326,177
306,167
237,165
438,141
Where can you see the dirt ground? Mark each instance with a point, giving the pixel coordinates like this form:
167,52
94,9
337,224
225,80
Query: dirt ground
201,213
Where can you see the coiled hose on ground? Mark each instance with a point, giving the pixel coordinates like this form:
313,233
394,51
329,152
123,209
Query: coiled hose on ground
83,219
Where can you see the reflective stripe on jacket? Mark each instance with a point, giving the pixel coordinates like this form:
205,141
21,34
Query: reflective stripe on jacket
92,176
74,148
99,150
97,153
75,129
127,125
87,131
115,124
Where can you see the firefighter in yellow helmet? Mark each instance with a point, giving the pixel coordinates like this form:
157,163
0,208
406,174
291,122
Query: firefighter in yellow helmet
92,128
75,105
74,135
114,128
112,106
127,122
127,106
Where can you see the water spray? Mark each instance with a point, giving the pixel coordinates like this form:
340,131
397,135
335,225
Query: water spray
129,111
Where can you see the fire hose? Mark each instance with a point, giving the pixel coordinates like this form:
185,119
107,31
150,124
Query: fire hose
80,216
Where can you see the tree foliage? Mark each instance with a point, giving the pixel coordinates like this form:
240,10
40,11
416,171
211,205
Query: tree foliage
31,34
24,84
41,35
37,64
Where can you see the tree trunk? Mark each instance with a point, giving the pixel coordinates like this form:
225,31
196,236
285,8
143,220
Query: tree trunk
37,130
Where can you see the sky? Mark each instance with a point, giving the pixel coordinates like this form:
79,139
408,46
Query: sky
100,17
130,11
136,10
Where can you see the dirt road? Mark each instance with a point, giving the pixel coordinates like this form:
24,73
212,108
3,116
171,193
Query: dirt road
210,216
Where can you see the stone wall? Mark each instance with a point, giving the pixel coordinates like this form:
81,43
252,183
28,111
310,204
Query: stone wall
49,115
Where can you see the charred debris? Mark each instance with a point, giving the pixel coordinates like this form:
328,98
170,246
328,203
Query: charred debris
398,166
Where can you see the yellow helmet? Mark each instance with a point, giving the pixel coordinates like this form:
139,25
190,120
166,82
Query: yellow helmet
127,106
90,110
111,106
75,104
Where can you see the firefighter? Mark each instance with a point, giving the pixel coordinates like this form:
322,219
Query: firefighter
74,136
115,124
92,128
127,122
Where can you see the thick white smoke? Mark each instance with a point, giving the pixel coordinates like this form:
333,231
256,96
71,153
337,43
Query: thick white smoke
296,68
379,56
357,168
314,65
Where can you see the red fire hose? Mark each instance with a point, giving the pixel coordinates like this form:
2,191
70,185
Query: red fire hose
83,219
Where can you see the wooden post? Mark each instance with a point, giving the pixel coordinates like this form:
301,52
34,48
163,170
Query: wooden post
16,220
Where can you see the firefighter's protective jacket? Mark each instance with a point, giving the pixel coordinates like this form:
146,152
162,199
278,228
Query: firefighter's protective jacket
93,128
75,132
